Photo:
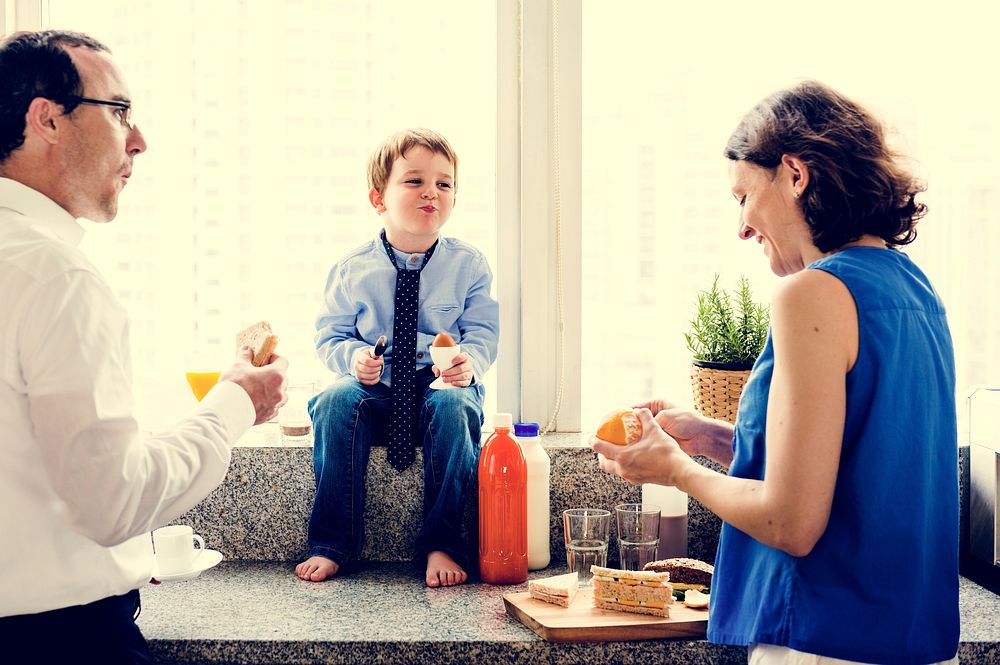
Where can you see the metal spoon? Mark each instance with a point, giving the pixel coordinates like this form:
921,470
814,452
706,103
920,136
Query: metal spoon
380,344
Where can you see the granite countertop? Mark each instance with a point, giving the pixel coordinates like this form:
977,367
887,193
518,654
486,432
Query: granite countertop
259,612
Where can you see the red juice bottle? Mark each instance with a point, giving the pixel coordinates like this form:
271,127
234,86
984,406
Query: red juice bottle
503,507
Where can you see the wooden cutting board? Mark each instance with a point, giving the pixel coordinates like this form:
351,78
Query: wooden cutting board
582,622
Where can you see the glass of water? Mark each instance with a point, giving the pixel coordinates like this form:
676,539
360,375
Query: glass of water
586,531
638,534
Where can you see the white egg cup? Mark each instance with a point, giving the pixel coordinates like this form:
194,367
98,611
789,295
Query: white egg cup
442,357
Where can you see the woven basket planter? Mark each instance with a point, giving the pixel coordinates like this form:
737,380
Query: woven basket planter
717,388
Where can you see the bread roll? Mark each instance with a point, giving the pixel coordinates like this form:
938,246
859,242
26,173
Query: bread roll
684,573
621,427
261,341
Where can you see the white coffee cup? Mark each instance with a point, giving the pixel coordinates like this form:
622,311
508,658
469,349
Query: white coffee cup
175,548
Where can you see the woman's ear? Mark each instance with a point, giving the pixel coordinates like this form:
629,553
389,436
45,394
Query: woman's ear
798,172
376,199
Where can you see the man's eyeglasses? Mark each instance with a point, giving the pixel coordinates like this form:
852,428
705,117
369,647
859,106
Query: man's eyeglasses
123,110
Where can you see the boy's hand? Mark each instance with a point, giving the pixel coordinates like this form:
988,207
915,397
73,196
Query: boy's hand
367,369
459,374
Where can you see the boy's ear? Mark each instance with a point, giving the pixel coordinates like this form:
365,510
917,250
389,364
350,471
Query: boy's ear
376,198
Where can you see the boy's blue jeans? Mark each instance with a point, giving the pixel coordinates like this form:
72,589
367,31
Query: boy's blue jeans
347,417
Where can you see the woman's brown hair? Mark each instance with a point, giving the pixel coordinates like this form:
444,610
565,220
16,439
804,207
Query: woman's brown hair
857,185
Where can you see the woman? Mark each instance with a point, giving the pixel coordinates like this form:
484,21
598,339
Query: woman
840,510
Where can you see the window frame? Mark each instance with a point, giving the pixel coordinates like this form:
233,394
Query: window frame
539,139
16,15
550,89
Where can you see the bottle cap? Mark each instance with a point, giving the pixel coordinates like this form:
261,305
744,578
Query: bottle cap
502,420
525,429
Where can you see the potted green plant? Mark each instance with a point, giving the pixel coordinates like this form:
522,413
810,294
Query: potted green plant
725,340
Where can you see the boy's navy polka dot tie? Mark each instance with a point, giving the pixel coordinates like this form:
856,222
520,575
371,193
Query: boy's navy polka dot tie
403,345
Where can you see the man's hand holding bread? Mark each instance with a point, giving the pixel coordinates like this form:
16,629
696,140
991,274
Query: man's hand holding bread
259,371
265,385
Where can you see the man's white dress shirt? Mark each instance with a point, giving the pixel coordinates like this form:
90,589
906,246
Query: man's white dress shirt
80,487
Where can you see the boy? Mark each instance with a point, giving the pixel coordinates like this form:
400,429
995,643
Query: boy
408,284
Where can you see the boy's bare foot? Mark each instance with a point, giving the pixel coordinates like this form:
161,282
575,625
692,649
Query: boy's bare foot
316,569
443,571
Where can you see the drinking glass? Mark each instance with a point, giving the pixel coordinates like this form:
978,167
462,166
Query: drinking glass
293,417
586,534
202,374
638,534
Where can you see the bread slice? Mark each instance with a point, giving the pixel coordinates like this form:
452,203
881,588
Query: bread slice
684,573
621,426
558,590
261,341
638,592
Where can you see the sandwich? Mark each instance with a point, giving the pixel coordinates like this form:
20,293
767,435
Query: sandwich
261,341
621,426
558,590
637,591
684,573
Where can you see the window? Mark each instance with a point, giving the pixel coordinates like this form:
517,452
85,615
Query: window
658,217
273,106
259,118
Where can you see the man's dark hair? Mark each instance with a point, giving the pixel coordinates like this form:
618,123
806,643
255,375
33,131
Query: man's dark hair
857,185
36,64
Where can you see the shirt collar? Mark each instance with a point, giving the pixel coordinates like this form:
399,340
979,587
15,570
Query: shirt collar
44,214
410,261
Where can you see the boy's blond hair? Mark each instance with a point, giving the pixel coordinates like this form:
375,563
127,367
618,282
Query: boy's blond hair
394,147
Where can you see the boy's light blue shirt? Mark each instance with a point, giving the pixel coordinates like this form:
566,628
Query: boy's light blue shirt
359,298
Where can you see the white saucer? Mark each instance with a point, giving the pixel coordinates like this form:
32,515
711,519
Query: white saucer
439,384
205,560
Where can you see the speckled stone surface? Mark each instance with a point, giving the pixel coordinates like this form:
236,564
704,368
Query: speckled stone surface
245,611
261,510
248,612
577,482
963,498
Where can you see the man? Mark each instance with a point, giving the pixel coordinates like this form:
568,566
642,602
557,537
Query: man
80,489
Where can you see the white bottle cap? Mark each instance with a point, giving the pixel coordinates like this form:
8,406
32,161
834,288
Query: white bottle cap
503,420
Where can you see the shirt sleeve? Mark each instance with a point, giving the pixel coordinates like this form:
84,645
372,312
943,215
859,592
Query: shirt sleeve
336,327
115,483
479,323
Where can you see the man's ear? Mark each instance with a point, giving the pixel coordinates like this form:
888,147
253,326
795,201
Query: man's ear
41,120
798,172
376,198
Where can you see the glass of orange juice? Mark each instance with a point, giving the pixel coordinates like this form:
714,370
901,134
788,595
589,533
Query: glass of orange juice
201,375
202,382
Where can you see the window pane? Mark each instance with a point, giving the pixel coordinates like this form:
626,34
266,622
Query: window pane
659,220
260,117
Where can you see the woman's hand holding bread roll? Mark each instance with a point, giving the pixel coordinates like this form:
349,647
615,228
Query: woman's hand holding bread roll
621,426
693,432
265,385
653,458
